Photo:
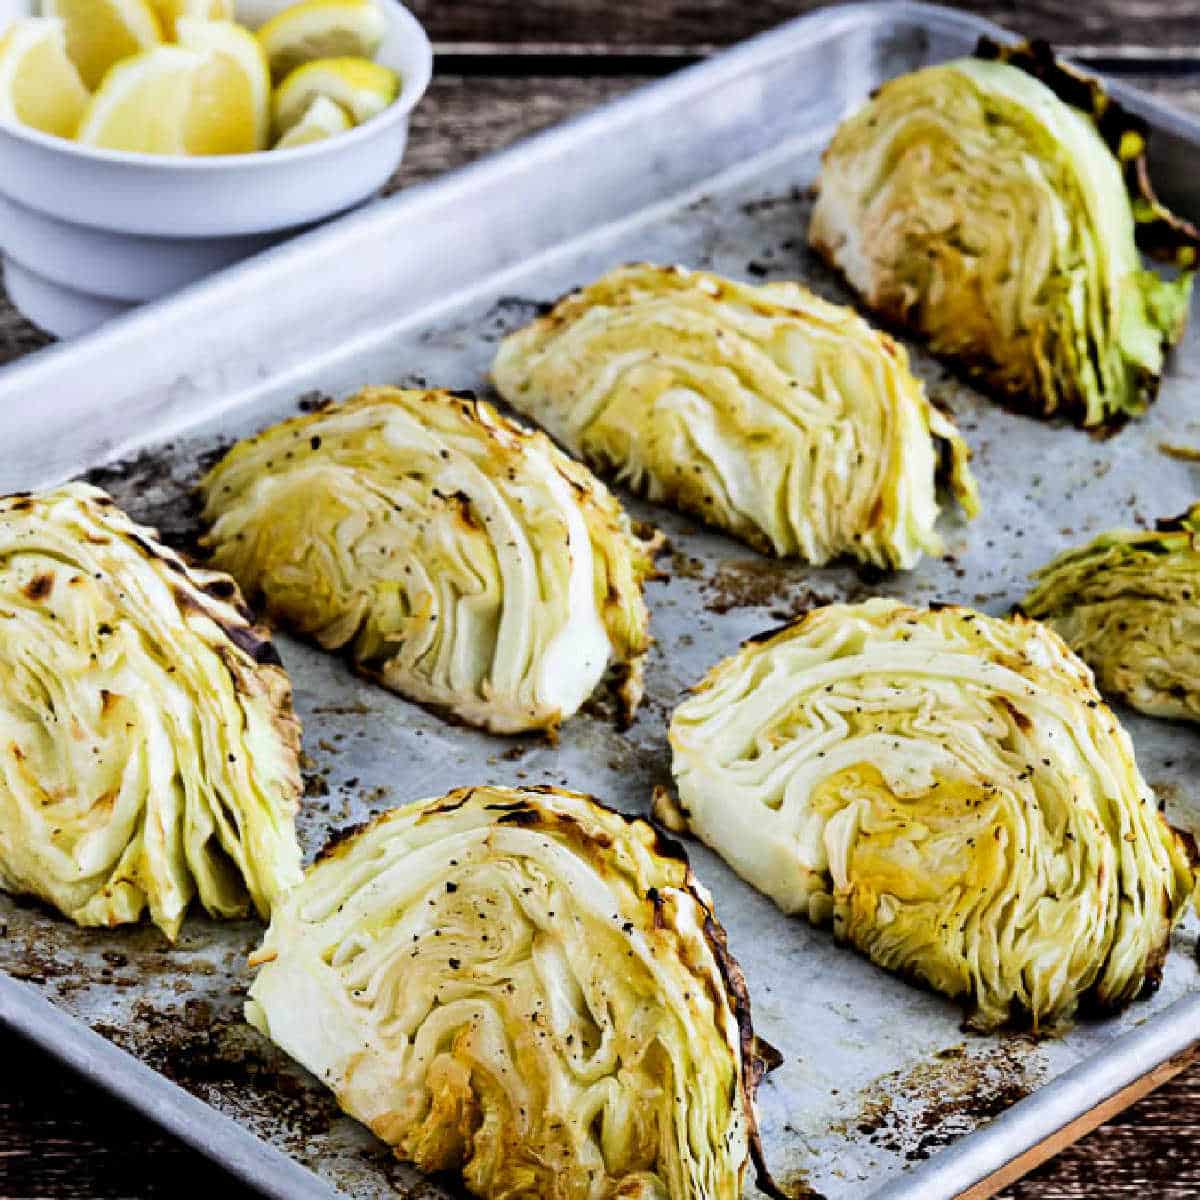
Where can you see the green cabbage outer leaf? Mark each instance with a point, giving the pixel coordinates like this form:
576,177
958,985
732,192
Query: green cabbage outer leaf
1160,233
971,205
465,562
148,749
525,987
1128,603
765,411
950,791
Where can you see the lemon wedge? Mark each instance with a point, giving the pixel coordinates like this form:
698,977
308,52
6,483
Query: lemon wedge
317,29
169,11
39,84
176,100
363,88
235,89
324,119
102,32
143,103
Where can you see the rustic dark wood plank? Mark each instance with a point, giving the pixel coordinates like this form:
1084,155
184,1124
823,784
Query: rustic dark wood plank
17,335
62,1138
698,23
1152,1150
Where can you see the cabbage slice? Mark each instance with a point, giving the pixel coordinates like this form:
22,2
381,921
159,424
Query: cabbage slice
765,411
460,559
970,204
949,791
526,988
1128,603
148,751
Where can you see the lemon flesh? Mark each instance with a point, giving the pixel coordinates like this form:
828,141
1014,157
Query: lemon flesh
100,33
231,112
39,84
169,11
363,88
324,119
316,29
143,103
173,100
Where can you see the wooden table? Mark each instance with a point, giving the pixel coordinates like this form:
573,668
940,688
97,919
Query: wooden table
506,69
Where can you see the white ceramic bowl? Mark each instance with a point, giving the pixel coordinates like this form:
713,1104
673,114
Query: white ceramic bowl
87,234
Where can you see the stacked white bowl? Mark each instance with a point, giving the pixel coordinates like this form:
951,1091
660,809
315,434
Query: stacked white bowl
87,234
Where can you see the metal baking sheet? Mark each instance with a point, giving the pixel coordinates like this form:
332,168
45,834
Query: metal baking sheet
881,1092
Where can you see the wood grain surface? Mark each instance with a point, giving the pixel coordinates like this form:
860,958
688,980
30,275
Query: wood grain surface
510,69
1132,25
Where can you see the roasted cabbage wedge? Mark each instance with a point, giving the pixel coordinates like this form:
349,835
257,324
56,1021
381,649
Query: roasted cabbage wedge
765,411
148,750
463,561
524,987
982,204
950,792
1128,603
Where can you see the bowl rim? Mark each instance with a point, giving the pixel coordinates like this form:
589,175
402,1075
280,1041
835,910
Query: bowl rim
412,90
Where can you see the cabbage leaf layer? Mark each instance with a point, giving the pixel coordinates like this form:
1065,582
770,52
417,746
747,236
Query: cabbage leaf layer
1128,603
148,750
524,987
950,792
462,560
765,411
